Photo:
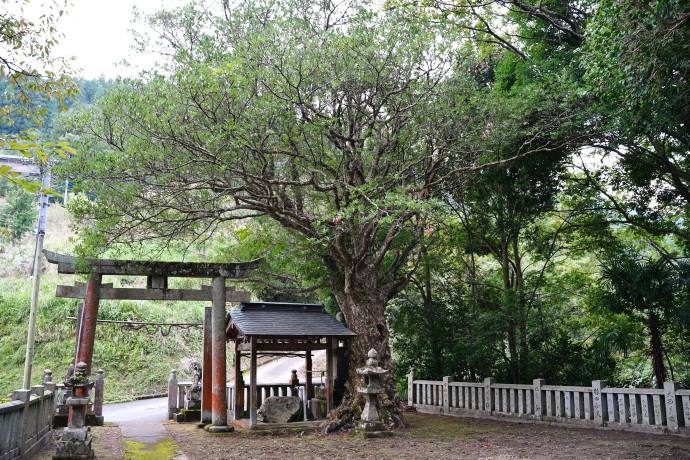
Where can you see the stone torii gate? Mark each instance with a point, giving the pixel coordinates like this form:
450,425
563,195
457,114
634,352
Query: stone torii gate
157,274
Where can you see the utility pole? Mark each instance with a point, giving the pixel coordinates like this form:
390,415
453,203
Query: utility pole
38,262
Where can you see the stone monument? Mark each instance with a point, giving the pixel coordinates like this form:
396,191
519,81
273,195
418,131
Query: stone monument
191,411
370,426
193,399
280,409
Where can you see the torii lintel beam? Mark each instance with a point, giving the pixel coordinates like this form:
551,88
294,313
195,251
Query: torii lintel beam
69,265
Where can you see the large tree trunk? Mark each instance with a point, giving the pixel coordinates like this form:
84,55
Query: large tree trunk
363,304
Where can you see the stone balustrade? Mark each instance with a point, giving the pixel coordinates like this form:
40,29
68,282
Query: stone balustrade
176,398
665,410
25,422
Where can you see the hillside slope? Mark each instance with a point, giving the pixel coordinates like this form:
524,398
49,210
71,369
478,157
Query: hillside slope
135,362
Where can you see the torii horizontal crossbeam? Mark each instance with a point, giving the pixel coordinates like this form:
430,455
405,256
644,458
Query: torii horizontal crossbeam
70,265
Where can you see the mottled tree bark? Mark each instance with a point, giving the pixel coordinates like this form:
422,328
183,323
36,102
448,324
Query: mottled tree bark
362,300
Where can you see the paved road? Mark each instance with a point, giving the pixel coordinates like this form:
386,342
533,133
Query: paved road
139,421
136,417
278,370
142,421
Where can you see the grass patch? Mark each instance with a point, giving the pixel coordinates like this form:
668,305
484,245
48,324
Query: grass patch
164,450
135,363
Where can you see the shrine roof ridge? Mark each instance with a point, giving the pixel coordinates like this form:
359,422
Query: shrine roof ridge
68,264
284,306
278,319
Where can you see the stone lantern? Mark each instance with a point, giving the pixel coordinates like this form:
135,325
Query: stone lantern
370,425
75,442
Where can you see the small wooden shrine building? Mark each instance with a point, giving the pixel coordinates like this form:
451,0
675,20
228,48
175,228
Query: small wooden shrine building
283,327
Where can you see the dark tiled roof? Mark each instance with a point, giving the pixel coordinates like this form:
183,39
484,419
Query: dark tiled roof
286,320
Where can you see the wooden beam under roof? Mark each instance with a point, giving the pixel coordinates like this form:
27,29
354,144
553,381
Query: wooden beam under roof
282,346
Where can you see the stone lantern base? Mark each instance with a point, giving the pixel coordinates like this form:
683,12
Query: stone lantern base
75,443
374,429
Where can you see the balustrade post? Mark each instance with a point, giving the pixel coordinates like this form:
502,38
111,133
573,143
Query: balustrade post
600,404
25,397
172,394
39,390
48,382
410,387
98,393
47,376
538,398
671,406
489,395
446,393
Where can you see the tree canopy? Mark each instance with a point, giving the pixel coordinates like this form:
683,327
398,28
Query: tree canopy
419,164
32,78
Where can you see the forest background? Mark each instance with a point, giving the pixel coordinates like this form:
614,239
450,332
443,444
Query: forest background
507,182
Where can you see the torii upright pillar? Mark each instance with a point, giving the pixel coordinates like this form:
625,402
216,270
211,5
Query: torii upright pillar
88,322
207,369
219,400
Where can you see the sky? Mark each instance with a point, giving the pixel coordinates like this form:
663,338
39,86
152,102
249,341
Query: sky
96,33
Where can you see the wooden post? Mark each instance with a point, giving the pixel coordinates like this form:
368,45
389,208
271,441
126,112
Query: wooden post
80,313
36,285
219,400
308,387
207,368
253,394
88,323
238,403
329,375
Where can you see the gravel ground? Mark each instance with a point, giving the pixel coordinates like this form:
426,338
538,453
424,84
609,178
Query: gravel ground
425,437
437,437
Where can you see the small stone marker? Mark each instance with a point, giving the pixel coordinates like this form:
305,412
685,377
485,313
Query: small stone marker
370,426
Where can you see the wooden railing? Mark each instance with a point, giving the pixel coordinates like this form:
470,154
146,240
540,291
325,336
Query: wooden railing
25,422
666,409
